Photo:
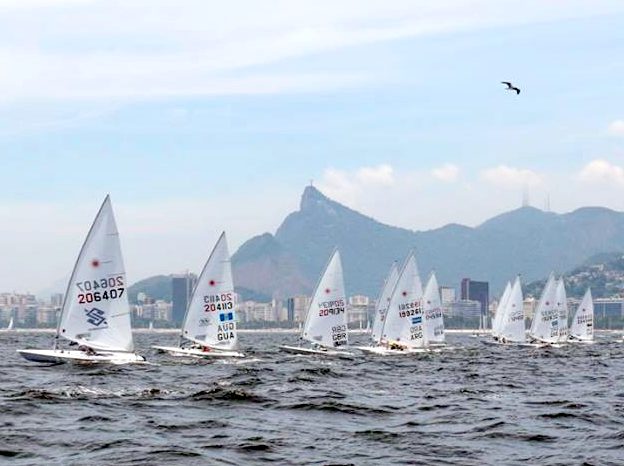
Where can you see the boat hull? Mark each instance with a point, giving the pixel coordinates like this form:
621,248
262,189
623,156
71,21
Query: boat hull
313,351
80,357
519,344
383,351
581,341
197,353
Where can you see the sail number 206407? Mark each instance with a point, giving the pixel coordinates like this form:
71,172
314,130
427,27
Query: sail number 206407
100,289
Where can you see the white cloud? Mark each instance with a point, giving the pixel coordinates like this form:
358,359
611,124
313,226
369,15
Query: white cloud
511,178
447,173
81,49
616,128
601,171
382,175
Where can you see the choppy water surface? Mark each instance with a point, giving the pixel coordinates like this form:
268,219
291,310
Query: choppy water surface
478,405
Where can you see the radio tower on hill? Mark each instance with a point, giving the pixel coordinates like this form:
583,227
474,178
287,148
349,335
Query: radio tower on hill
525,195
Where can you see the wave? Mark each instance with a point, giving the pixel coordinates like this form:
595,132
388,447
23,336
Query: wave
84,393
379,435
542,438
337,407
227,394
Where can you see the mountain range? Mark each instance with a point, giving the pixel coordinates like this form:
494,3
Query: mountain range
526,241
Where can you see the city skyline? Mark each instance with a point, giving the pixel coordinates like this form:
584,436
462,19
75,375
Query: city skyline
213,121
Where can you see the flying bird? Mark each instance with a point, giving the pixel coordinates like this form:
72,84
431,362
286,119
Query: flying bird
511,87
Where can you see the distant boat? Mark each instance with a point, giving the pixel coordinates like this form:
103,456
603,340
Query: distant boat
433,315
10,326
325,325
403,329
151,326
382,303
95,314
511,328
562,307
582,328
209,327
500,310
546,319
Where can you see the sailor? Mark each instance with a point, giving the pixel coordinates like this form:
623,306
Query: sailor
395,345
87,349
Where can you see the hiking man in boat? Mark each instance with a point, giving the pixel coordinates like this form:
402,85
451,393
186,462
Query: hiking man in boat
395,345
87,350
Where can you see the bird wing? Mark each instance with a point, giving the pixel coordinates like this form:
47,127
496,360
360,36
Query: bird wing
506,82
516,89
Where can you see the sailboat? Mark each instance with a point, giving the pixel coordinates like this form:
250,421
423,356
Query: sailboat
403,328
209,327
382,303
510,326
95,315
562,306
11,324
325,325
545,325
432,309
500,310
582,328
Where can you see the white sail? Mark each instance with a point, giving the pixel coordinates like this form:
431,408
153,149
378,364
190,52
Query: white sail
562,308
496,322
383,301
326,321
404,318
96,311
545,324
512,319
432,309
582,327
211,315
10,326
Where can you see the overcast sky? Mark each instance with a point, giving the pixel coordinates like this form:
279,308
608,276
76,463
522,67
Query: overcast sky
203,116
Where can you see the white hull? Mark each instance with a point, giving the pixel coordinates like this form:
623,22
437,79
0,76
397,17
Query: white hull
197,353
80,357
314,351
383,351
582,341
520,344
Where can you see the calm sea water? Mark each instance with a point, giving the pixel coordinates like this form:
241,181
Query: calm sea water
478,405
